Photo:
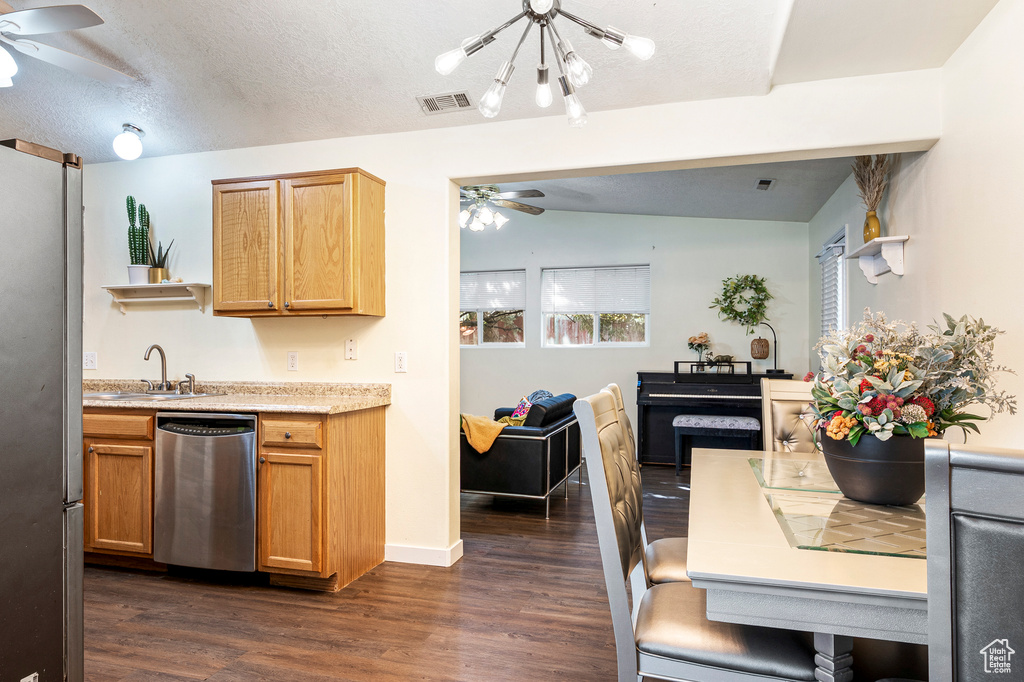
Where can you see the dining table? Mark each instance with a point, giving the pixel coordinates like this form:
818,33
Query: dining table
774,543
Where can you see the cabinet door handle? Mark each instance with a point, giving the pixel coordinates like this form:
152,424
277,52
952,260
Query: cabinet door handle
287,304
262,460
270,304
287,434
90,448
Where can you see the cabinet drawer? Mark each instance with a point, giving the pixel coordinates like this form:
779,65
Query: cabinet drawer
118,425
293,432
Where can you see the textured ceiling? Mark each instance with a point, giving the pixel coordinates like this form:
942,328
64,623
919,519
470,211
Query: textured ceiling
801,188
220,75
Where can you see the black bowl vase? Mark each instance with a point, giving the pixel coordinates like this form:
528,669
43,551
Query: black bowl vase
875,471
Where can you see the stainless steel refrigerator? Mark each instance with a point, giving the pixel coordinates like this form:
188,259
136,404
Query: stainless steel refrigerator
40,414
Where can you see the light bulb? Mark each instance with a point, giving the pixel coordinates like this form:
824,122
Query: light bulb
490,103
541,6
499,220
128,145
464,217
476,225
574,108
485,216
579,70
8,67
449,61
543,97
642,48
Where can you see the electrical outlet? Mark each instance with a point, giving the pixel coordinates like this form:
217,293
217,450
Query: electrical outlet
350,349
34,677
401,362
89,360
293,361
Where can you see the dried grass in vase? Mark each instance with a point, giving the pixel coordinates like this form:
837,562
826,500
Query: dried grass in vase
871,176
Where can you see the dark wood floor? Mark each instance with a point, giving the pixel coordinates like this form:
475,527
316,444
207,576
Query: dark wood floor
526,602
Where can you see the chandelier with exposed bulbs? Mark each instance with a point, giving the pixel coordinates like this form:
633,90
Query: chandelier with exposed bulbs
574,71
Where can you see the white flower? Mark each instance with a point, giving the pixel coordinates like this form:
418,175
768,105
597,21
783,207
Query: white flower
912,414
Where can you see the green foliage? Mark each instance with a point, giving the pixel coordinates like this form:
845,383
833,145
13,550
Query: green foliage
158,258
744,300
138,232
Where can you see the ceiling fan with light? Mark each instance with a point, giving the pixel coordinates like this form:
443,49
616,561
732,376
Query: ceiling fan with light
477,214
16,24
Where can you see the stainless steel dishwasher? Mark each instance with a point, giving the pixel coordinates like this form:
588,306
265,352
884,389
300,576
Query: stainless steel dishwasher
204,511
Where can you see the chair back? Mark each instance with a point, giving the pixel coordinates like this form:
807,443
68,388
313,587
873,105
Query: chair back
786,415
617,513
627,428
974,505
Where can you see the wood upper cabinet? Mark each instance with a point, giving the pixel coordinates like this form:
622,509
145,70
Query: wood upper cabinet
299,244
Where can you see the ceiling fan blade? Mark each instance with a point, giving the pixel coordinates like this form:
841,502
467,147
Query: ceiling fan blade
516,206
66,60
520,194
29,22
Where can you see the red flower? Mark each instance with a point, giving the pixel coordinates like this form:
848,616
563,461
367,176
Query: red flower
879,353
809,376
865,385
869,338
876,405
926,404
861,349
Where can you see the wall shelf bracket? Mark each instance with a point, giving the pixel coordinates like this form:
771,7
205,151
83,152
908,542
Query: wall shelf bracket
879,256
125,294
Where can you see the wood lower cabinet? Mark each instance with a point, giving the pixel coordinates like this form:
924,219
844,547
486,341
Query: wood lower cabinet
291,511
320,495
118,495
299,244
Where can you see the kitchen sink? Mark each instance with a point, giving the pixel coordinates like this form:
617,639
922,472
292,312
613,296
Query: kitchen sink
128,395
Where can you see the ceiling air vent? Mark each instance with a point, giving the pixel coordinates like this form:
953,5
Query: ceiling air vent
442,104
765,184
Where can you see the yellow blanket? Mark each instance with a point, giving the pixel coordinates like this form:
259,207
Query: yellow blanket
480,431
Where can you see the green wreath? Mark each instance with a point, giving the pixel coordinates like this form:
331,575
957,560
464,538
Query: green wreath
736,304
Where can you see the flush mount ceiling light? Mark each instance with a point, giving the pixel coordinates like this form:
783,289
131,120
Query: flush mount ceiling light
128,145
574,71
477,200
8,67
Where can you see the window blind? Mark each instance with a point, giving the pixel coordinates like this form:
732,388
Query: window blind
596,290
503,290
833,278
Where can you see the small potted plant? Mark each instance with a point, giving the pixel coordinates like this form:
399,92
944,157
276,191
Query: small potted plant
138,242
872,176
884,387
700,344
158,258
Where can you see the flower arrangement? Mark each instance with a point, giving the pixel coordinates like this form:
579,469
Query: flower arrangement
871,176
700,343
887,378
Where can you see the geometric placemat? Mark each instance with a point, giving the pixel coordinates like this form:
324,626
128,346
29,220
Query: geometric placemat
838,524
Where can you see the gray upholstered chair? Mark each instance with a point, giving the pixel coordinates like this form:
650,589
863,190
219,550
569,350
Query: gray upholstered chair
664,559
786,415
670,637
974,502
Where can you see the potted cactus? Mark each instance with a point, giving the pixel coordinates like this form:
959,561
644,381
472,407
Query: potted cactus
138,242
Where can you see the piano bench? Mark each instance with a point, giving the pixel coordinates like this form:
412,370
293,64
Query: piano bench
688,425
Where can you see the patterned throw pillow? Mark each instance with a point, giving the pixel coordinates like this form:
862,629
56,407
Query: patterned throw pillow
522,408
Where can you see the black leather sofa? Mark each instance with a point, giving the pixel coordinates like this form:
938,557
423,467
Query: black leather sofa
528,461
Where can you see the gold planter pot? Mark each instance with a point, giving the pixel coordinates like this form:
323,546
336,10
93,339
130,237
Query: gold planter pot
158,275
872,228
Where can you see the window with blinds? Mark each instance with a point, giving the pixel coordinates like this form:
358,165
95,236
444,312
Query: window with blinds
833,283
596,306
491,307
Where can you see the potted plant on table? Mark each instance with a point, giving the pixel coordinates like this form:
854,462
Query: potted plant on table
885,386
138,242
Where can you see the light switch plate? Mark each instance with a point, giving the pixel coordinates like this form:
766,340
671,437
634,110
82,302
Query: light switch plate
293,361
350,349
89,360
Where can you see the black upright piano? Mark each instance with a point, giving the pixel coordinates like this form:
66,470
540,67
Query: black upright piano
660,396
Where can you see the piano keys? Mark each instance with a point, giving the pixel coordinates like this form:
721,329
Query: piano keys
660,396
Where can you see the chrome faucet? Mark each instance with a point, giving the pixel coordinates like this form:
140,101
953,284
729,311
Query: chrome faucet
163,385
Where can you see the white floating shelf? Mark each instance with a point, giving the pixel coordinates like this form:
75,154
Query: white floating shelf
192,292
881,255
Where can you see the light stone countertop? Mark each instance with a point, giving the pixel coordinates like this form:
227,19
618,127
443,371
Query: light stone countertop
250,396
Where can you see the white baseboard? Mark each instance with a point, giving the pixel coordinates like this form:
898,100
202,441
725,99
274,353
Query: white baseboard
428,556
